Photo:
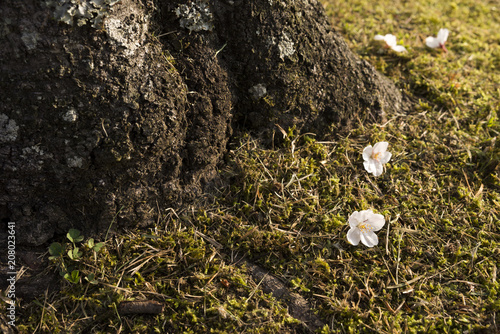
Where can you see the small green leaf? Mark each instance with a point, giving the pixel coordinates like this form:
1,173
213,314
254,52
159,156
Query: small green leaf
74,235
55,249
91,279
74,254
98,246
90,243
74,277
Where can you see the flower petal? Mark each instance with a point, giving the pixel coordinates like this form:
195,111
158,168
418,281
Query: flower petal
369,239
390,40
385,157
370,166
361,216
398,48
367,152
380,147
442,35
353,236
354,219
432,42
379,38
366,213
379,169
377,221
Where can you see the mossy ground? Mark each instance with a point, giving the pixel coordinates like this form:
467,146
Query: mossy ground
435,267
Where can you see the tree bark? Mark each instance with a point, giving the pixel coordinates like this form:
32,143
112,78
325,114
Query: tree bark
110,122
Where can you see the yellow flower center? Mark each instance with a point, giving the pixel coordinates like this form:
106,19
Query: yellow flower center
365,227
375,156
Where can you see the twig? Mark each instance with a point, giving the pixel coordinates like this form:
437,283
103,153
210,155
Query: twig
405,283
140,307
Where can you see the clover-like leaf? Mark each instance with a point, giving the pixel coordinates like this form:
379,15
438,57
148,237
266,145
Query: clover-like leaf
74,235
55,249
98,246
74,254
74,277
91,279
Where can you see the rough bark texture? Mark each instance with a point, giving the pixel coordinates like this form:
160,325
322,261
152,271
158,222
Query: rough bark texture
114,125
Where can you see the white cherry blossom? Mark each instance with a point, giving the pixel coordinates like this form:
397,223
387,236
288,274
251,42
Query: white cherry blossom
375,157
390,41
439,41
363,225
